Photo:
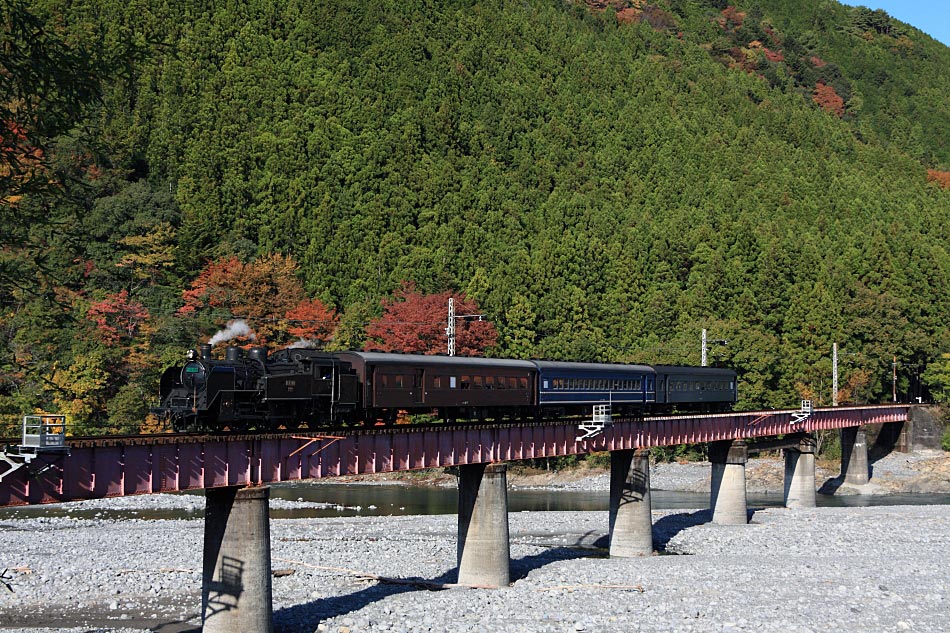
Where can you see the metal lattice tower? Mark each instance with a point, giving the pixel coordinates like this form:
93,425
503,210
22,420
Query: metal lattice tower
450,328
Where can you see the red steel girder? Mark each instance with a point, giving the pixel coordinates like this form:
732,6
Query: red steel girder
169,463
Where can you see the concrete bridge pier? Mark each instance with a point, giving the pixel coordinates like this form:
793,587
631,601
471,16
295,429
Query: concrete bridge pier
800,474
727,489
854,456
631,520
236,575
484,553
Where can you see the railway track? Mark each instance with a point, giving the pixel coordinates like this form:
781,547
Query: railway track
142,439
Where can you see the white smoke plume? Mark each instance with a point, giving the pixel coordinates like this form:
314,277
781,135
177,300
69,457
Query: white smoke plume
233,329
302,343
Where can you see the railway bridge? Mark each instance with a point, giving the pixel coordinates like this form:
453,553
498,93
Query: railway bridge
48,467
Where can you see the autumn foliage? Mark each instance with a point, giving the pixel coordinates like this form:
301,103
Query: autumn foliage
311,320
117,317
266,293
826,97
942,178
415,323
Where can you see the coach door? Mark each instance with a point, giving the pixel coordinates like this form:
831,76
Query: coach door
418,386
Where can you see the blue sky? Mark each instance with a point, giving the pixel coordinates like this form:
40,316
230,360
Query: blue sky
930,16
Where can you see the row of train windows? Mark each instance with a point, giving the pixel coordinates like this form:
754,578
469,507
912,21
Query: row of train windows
594,384
699,385
399,381
480,382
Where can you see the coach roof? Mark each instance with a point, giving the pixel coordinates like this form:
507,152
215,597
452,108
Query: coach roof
552,365
460,362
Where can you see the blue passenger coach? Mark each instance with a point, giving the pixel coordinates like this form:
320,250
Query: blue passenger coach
587,384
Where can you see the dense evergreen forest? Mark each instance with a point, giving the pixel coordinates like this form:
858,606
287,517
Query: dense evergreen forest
601,180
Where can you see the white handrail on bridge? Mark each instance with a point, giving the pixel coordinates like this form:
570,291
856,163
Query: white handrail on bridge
799,417
41,434
600,419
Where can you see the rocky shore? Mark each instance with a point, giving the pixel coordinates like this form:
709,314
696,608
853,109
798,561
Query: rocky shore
824,569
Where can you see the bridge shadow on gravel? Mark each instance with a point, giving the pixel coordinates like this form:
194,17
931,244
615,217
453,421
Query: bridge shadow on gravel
669,526
521,567
305,617
672,524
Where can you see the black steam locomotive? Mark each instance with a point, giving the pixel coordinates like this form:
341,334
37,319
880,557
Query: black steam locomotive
301,388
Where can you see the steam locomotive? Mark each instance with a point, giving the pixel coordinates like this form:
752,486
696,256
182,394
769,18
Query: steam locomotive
302,388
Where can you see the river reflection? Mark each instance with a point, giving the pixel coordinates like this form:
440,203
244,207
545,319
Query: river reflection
346,500
375,500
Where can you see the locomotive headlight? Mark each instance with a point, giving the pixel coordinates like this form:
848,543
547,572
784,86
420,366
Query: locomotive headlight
193,374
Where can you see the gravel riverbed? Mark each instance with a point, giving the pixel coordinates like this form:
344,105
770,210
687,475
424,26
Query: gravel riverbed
825,569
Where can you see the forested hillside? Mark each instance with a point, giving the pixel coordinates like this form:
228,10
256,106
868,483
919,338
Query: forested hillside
601,180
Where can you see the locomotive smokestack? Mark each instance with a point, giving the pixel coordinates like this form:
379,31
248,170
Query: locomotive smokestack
257,353
232,353
205,351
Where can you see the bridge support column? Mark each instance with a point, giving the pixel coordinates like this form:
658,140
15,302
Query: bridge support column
727,489
800,474
631,520
854,456
236,575
484,553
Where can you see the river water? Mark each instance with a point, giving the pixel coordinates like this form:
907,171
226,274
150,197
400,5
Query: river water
345,500
375,500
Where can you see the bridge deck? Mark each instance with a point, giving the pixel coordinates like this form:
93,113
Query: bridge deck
170,463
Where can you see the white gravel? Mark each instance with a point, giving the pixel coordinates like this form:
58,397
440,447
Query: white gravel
920,472
827,569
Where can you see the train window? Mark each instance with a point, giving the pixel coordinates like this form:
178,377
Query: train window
547,385
523,382
501,382
384,381
437,382
512,382
453,382
478,382
398,381
466,382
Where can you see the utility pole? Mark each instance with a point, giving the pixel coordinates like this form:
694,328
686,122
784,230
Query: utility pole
450,329
450,324
704,348
894,379
834,375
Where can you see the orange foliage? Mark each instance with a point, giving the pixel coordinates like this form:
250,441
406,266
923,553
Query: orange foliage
628,16
19,159
415,323
731,19
826,97
263,292
942,178
117,316
311,320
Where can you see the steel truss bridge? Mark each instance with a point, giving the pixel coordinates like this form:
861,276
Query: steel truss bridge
89,468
